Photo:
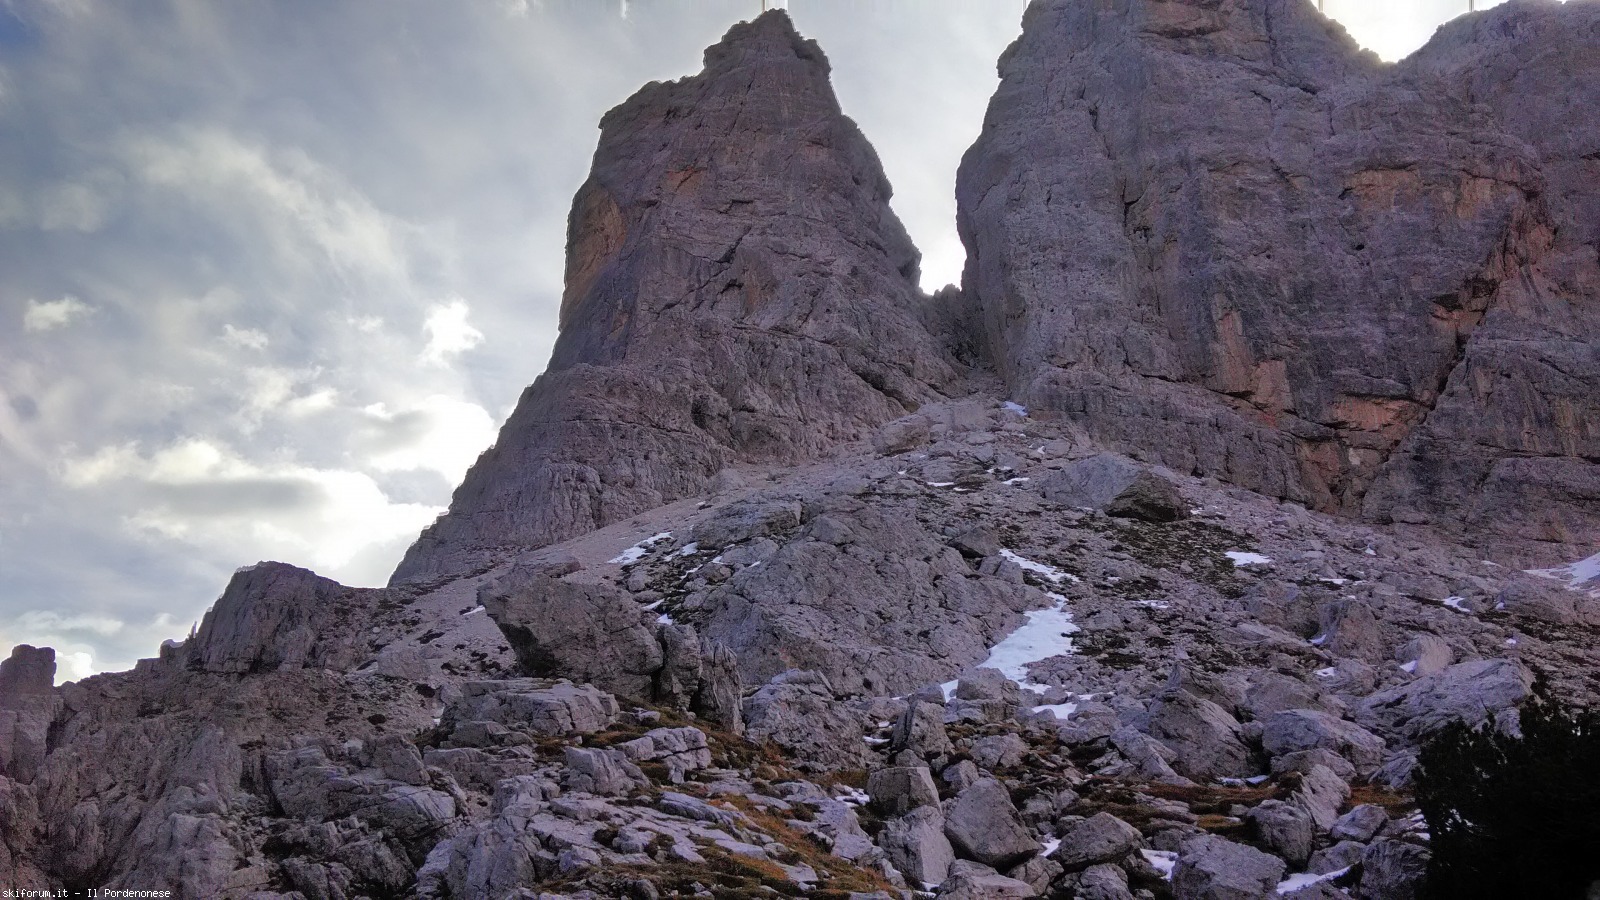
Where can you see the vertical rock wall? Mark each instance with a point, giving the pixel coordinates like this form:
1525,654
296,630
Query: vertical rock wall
1222,236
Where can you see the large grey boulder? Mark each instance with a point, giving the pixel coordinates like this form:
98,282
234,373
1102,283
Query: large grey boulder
1286,830
1392,870
1207,742
999,751
916,845
720,693
745,519
919,730
1359,824
983,825
727,299
1546,600
970,882
1297,730
679,750
539,707
897,790
1425,654
1342,855
1102,882
1351,631
1271,692
604,770
583,631
700,676
1147,758
1116,486
1321,794
1040,872
891,610
1214,868
1101,838
1470,692
798,711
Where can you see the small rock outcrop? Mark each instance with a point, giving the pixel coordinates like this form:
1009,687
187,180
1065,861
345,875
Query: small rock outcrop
276,616
27,707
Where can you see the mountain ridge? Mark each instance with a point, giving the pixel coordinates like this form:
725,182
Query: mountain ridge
771,587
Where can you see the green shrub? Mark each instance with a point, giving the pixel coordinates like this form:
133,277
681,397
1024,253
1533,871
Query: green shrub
1514,816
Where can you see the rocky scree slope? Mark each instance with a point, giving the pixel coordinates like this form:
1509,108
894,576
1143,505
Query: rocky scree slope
825,680
910,644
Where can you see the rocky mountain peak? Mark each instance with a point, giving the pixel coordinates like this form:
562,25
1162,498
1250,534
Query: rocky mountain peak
1287,40
746,601
1220,235
768,39
737,290
28,671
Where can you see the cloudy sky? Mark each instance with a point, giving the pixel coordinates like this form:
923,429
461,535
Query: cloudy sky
271,274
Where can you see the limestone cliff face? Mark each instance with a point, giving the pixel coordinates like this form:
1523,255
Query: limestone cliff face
1512,443
1220,235
737,288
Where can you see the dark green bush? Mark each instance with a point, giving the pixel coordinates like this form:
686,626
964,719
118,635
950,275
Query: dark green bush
1514,817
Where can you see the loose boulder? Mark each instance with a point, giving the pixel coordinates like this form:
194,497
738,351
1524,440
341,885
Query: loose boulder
586,632
1470,692
797,711
983,825
1297,730
1214,868
897,790
916,845
1101,838
1116,486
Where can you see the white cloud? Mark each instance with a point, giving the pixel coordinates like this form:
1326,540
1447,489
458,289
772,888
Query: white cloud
449,332
73,207
50,314
42,620
74,666
294,200
439,434
317,401
205,495
244,338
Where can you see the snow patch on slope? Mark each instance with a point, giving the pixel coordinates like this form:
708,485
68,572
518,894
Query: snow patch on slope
635,553
1583,575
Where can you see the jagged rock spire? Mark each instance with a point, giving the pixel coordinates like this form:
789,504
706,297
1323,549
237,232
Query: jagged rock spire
737,289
